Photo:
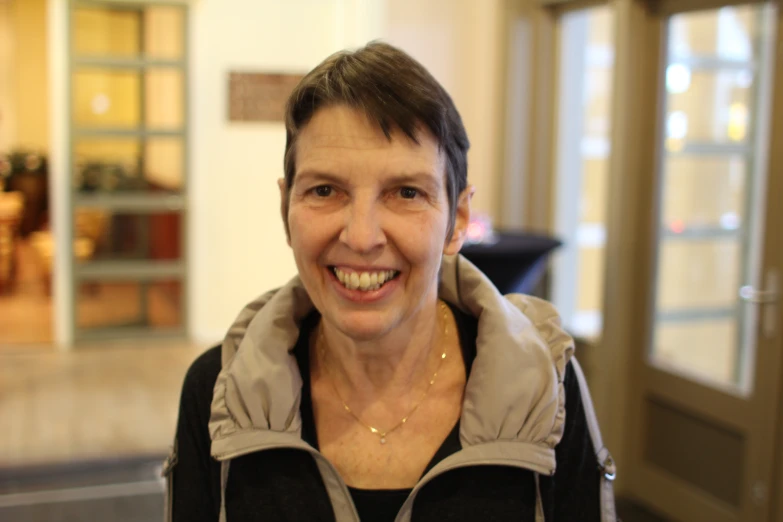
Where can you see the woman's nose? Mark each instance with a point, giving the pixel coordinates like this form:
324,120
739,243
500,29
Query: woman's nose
362,231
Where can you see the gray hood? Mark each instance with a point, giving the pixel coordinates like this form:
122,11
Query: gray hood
514,393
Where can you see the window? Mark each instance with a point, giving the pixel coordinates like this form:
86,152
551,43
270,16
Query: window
129,179
711,177
586,65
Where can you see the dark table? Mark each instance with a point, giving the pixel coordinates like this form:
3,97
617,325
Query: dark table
516,262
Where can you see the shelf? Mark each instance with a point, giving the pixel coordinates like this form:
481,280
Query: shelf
108,132
108,62
137,203
146,270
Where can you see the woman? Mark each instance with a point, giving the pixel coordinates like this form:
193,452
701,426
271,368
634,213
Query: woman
389,380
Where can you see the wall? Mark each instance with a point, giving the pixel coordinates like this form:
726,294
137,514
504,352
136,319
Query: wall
7,83
31,75
237,244
460,42
238,248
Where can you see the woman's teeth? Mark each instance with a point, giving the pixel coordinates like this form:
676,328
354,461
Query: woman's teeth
364,280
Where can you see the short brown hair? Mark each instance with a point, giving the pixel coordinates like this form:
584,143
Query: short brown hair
392,89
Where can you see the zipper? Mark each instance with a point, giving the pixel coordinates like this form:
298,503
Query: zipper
405,511
404,514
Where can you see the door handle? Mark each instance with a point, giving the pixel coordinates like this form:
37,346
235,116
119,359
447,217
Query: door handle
770,297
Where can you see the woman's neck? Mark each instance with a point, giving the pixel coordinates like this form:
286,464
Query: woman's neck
395,365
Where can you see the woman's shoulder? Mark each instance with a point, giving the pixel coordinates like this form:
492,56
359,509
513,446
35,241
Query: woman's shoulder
201,377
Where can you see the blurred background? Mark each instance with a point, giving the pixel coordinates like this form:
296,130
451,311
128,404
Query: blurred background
628,161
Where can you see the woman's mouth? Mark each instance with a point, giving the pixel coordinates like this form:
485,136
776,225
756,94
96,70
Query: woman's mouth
364,281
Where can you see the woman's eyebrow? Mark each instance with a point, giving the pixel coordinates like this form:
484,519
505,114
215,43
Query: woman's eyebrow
426,178
317,175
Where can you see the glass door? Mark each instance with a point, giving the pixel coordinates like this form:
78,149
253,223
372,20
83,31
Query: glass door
706,388
128,150
712,179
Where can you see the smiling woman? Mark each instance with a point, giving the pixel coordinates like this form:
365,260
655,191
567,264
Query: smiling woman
389,380
365,219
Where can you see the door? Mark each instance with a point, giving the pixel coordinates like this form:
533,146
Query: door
706,357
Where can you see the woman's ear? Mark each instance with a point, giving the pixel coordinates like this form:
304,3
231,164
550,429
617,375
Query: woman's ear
284,208
461,222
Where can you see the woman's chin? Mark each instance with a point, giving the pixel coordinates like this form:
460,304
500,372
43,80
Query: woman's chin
362,325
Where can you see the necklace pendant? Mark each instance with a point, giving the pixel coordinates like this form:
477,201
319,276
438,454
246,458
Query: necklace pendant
383,440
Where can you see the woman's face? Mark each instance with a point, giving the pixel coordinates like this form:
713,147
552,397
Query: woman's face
368,219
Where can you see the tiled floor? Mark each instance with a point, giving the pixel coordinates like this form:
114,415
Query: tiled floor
84,431
102,401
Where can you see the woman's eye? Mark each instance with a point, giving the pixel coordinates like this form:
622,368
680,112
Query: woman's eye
408,193
323,191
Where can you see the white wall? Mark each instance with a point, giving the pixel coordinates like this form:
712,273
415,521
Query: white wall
460,42
30,74
237,244
7,84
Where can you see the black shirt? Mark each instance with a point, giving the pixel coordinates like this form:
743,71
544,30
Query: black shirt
285,485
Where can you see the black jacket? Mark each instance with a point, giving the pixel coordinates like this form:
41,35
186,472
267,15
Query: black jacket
285,484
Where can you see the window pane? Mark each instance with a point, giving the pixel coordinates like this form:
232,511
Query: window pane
698,273
703,347
164,32
129,32
126,304
583,148
163,99
709,176
728,33
106,235
128,165
104,98
106,32
704,192
714,108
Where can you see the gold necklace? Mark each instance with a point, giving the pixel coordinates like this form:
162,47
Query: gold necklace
376,431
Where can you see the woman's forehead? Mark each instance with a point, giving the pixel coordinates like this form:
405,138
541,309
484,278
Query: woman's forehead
341,123
339,137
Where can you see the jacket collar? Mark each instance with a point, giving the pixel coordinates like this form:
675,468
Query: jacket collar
514,392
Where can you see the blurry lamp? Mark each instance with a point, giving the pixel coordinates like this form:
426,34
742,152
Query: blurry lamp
480,230
738,121
730,221
100,104
678,78
677,125
677,226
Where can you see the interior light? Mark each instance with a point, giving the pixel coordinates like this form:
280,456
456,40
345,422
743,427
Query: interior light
738,121
100,104
677,125
677,226
730,221
475,231
678,78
